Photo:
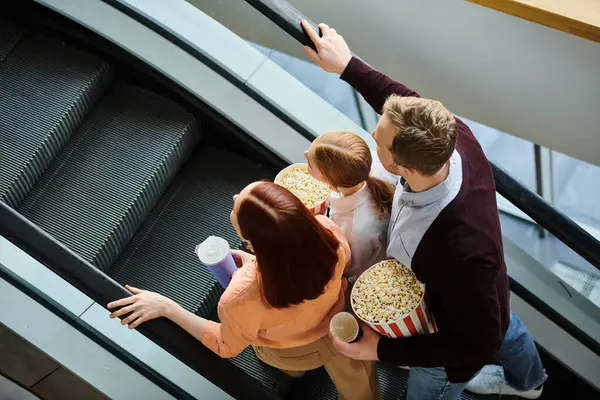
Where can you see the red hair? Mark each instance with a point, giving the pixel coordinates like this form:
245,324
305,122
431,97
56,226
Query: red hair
295,254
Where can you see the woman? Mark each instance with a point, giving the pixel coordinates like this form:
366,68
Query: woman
280,302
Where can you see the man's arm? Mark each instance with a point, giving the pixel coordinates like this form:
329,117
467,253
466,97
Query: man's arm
468,292
466,287
333,55
374,86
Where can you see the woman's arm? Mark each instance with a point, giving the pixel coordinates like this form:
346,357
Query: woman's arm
145,305
226,339
193,324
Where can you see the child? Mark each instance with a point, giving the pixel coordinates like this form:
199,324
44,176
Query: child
360,203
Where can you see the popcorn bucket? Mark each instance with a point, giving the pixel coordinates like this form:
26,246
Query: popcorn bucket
417,322
320,208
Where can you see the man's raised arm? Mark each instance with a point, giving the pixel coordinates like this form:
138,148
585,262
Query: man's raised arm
333,55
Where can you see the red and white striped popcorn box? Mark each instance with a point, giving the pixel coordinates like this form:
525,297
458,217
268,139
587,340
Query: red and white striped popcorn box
417,322
320,208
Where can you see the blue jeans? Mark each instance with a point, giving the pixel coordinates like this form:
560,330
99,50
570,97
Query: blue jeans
518,356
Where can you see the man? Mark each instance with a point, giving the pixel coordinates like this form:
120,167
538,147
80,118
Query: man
445,226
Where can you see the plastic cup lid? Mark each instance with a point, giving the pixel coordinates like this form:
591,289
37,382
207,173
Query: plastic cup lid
213,250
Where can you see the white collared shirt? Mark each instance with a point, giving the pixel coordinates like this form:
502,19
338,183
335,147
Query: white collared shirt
365,231
413,213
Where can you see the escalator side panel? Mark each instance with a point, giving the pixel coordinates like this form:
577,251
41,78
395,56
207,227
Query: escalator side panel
198,204
46,90
101,187
10,34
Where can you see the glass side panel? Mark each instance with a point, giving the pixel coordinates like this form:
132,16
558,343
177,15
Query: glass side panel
577,190
514,154
285,51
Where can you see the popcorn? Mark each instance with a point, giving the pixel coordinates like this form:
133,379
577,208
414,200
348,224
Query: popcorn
309,190
386,293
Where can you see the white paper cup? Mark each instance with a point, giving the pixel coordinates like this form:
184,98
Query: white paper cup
417,322
214,252
345,327
320,208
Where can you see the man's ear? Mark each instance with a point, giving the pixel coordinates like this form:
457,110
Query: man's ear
407,173
400,171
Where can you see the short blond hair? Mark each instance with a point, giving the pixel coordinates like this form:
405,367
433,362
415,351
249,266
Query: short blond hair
426,133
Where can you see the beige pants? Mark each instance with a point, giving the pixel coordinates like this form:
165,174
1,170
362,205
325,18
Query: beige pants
353,379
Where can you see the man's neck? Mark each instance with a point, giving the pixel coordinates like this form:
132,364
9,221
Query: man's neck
420,183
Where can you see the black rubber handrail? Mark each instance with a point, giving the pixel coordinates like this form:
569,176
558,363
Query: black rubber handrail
547,216
103,289
288,18
74,321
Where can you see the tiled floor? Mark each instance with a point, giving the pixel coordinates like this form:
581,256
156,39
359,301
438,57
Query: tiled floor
11,391
34,370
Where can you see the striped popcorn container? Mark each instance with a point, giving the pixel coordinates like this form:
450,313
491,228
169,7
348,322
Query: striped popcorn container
321,207
417,322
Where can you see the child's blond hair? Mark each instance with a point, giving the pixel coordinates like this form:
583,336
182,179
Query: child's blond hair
344,159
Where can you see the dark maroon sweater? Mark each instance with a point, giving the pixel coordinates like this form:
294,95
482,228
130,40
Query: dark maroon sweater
460,259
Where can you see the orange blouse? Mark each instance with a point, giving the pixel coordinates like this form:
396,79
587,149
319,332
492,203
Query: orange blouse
245,320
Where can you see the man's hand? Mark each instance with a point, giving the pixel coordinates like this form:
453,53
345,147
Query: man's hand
333,54
364,349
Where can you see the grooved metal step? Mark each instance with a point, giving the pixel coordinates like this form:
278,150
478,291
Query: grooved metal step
102,186
10,34
316,385
46,90
198,204
271,377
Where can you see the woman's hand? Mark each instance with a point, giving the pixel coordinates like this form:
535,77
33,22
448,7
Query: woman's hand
241,258
141,307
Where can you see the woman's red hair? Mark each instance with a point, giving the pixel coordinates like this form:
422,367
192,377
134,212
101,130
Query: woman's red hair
296,255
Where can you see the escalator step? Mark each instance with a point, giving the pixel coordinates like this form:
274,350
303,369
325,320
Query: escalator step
271,377
102,186
161,255
46,90
10,34
393,381
317,384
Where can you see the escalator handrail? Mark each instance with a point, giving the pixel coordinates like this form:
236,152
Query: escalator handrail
547,216
75,322
288,18
103,289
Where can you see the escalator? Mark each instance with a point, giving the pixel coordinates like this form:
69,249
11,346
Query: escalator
128,176
122,176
